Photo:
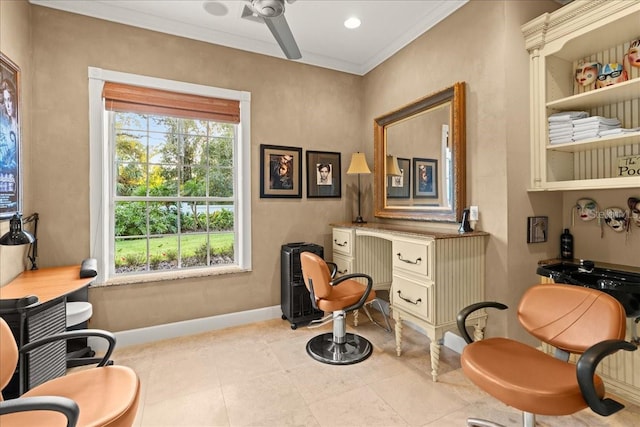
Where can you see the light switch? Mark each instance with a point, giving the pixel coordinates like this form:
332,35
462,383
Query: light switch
473,213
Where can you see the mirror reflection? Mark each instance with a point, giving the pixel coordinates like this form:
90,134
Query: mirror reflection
420,161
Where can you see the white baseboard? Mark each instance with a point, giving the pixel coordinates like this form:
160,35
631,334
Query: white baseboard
187,327
454,342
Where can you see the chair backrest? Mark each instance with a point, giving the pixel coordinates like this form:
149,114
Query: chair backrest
8,355
571,318
316,273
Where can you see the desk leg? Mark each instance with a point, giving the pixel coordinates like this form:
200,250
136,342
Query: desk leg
478,329
398,328
435,359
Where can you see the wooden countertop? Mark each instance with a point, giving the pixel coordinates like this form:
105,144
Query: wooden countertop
46,283
408,230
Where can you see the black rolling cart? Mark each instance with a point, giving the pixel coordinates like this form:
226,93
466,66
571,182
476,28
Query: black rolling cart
295,299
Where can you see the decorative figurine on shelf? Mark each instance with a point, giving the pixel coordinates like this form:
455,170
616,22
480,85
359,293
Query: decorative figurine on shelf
632,58
611,74
634,210
587,72
616,218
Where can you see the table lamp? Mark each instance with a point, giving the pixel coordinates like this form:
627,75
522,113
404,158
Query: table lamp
17,236
358,165
392,167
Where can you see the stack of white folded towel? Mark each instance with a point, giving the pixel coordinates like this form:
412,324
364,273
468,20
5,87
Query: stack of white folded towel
570,126
618,131
561,126
591,127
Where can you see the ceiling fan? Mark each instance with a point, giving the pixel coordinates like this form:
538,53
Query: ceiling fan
271,12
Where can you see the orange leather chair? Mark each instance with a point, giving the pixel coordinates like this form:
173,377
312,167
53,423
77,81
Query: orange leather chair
573,319
101,396
336,296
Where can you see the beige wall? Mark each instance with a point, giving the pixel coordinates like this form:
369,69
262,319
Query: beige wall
15,43
292,104
297,105
599,242
494,65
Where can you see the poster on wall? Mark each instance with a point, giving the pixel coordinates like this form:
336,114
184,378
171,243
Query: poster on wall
9,138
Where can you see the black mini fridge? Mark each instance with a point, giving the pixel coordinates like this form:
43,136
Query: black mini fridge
295,299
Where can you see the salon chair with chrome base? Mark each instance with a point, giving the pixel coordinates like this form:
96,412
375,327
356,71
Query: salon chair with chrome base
575,320
336,296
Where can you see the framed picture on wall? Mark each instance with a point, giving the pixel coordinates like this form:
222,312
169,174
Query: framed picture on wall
10,148
425,174
280,171
323,174
399,187
537,229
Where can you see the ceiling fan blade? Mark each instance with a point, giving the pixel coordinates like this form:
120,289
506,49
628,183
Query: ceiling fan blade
282,33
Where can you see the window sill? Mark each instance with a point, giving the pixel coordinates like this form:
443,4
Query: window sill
169,275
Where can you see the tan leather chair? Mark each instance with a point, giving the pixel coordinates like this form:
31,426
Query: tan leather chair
101,396
574,320
336,296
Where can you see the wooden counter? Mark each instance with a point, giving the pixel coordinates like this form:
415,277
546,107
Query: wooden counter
47,283
53,287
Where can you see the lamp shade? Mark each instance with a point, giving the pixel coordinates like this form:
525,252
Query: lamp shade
392,166
358,164
16,235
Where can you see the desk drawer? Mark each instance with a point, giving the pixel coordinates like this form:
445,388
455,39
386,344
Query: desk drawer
345,264
413,256
412,296
343,241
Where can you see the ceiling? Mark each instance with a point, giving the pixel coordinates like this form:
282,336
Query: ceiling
317,25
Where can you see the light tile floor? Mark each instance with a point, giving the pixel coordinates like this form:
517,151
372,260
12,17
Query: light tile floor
260,375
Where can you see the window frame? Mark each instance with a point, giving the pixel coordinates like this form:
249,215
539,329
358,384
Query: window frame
101,176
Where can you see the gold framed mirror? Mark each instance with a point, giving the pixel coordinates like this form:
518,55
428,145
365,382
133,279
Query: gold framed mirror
420,159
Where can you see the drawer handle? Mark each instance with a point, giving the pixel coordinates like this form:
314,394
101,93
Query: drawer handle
417,261
416,302
340,244
343,271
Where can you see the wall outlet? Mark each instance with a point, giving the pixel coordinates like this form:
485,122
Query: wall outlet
473,213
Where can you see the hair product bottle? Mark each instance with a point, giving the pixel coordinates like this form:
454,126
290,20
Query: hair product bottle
566,245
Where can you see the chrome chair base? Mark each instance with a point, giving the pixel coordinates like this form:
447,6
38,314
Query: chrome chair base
354,349
386,326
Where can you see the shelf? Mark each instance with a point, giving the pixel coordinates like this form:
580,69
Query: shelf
620,92
589,184
594,34
597,143
598,30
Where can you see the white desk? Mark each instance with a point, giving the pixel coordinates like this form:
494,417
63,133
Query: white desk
431,275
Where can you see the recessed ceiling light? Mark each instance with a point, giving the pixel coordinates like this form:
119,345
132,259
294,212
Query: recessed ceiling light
215,8
352,23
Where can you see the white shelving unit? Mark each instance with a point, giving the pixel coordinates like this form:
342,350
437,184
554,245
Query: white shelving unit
595,30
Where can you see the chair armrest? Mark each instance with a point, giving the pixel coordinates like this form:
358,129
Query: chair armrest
366,293
461,319
586,368
80,333
64,405
333,267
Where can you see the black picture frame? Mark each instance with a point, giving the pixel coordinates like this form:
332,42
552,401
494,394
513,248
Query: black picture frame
537,229
425,178
327,183
10,139
399,187
280,171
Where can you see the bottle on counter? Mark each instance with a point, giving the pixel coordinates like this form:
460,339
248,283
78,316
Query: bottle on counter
566,245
